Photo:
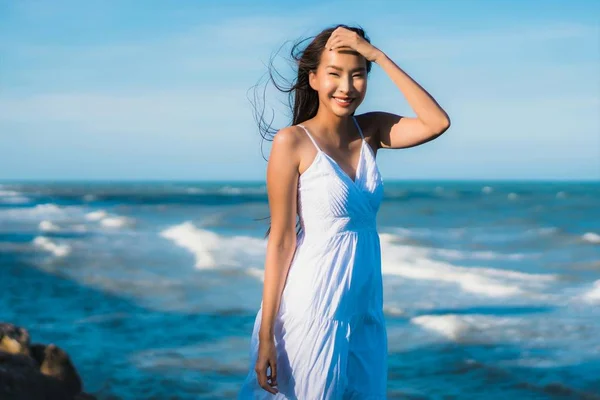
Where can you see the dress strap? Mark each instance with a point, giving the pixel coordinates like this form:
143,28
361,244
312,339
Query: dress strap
358,126
310,137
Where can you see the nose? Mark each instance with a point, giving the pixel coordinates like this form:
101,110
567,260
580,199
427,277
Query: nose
345,85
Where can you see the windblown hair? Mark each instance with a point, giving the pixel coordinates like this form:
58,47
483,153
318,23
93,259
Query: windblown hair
302,99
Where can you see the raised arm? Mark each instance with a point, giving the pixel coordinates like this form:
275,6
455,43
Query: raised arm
395,131
282,182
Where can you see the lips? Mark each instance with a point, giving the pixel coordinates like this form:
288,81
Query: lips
344,101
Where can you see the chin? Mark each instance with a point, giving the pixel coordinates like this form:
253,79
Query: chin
344,111
336,109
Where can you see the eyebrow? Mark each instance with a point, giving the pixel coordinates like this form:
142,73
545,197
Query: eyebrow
340,69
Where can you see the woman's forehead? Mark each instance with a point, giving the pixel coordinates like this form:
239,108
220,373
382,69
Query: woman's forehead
343,59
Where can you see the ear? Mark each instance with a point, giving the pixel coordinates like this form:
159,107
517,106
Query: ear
312,80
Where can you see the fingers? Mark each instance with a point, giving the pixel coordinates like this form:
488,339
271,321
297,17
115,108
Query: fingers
334,39
273,375
340,33
337,43
267,382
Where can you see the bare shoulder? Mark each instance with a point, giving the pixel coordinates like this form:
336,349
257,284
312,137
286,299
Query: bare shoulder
286,143
287,138
284,155
293,144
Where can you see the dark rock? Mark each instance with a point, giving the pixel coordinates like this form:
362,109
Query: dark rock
20,378
35,372
84,396
13,339
56,363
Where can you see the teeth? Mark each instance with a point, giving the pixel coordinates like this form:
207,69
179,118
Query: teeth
347,101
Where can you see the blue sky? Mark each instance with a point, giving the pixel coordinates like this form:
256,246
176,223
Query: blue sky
158,89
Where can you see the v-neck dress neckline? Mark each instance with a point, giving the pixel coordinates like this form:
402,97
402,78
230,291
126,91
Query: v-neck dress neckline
336,165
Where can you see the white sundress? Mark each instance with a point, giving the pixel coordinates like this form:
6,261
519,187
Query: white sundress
330,332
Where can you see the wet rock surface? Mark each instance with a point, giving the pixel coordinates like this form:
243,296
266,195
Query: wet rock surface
36,371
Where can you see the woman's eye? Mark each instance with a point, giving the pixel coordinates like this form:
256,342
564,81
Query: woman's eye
358,76
331,73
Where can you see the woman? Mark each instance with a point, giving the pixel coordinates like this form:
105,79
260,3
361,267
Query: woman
320,332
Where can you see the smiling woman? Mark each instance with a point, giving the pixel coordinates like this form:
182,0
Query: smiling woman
320,332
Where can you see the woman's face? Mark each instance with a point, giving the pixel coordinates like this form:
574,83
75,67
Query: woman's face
340,80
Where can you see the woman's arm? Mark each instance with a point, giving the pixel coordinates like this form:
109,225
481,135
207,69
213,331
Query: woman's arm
397,132
282,183
394,131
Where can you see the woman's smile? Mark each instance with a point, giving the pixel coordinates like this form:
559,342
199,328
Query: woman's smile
344,102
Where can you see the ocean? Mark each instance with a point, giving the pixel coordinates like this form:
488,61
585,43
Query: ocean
492,289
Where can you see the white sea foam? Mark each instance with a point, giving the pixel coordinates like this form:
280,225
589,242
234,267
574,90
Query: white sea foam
393,311
593,295
48,226
109,221
9,193
512,196
256,272
58,250
41,211
12,197
487,189
217,355
591,237
479,255
48,208
116,222
569,339
414,263
96,215
231,190
212,250
461,327
480,234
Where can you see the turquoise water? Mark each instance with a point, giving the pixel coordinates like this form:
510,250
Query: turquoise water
492,289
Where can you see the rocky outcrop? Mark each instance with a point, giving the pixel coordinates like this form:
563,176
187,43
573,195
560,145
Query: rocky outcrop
35,371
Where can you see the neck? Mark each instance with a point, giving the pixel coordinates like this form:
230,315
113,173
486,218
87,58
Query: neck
334,128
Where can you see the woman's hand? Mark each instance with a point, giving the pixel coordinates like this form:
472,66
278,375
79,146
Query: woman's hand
267,357
342,37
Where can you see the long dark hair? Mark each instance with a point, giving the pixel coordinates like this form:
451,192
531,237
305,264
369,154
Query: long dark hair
302,99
